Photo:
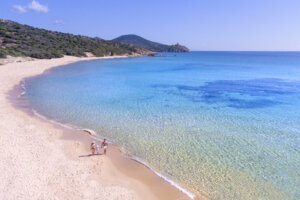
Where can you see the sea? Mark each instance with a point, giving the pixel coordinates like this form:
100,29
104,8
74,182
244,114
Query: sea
221,125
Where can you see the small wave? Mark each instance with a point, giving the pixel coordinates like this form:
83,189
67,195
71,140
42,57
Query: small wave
174,184
92,133
89,131
23,89
23,85
67,126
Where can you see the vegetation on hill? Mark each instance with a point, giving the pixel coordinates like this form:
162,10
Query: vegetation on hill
140,42
23,40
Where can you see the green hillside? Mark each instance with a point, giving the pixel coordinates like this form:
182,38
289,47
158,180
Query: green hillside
23,40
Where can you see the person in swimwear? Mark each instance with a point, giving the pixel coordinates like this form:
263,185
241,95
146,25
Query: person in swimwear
93,147
97,149
104,145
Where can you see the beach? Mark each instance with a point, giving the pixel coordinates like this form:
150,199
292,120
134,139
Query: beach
40,160
110,100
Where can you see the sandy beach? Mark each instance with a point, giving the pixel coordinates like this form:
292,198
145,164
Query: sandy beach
42,161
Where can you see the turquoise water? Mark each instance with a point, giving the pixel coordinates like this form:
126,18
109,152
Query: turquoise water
225,125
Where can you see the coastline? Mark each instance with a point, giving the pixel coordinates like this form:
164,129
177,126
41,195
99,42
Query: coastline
50,155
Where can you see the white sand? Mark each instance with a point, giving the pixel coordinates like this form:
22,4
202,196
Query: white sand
35,164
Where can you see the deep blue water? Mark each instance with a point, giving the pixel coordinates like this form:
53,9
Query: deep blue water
221,124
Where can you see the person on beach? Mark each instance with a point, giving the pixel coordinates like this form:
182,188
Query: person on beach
93,147
97,149
104,145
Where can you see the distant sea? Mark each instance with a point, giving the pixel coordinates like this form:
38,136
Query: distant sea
225,125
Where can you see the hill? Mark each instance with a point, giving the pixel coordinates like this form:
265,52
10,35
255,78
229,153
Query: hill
23,40
140,42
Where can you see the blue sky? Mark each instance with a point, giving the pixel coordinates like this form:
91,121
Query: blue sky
198,24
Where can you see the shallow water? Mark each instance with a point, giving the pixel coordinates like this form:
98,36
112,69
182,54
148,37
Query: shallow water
222,124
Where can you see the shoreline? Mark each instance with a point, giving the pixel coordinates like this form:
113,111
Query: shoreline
134,185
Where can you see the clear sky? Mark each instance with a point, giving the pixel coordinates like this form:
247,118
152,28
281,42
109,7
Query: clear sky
198,24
